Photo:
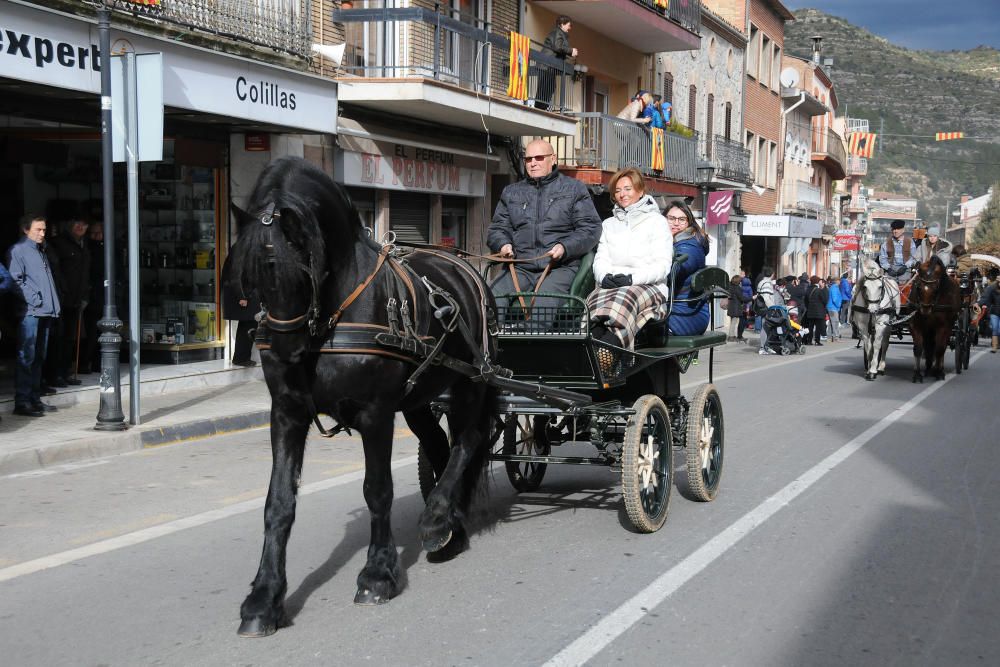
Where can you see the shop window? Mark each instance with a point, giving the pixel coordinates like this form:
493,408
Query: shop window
454,220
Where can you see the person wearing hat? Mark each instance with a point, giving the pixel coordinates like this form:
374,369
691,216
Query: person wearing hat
935,245
897,255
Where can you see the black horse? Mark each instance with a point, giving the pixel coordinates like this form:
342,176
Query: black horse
936,299
303,249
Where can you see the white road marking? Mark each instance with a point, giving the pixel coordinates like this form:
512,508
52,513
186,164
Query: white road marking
612,626
55,470
153,532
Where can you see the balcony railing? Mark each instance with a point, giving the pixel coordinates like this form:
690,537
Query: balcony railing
807,196
730,158
282,25
447,46
858,204
685,12
609,144
856,125
856,166
827,142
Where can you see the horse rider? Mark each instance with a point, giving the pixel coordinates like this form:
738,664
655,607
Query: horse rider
935,245
897,257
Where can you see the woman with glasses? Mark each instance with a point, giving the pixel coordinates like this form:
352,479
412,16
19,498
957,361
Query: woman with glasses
631,265
688,318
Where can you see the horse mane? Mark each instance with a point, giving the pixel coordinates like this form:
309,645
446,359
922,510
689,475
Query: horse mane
314,222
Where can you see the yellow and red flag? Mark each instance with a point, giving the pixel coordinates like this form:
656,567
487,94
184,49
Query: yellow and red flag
947,136
657,160
517,85
148,3
861,144
662,3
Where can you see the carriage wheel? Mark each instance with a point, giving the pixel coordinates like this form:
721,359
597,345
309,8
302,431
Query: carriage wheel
705,444
965,322
525,434
647,464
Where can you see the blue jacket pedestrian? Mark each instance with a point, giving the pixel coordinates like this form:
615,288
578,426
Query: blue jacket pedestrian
846,291
6,282
834,301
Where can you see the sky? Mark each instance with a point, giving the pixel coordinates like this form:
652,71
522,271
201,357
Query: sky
919,24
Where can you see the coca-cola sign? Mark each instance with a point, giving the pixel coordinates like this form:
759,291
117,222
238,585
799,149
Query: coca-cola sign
846,240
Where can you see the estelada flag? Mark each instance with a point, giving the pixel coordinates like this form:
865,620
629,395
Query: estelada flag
947,136
657,160
662,3
861,144
517,85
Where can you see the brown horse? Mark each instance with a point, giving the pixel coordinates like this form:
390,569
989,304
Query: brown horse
935,297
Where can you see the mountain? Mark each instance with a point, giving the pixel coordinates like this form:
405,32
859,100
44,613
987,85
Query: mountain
909,92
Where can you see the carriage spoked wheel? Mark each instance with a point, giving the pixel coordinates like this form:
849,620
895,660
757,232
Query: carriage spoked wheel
525,434
647,464
704,446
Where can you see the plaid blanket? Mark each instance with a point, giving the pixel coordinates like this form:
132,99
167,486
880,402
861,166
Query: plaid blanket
626,309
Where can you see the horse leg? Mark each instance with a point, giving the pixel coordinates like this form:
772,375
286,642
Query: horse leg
442,519
263,611
884,347
433,439
379,579
941,335
918,353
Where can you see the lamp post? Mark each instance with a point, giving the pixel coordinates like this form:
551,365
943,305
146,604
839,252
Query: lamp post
109,416
706,173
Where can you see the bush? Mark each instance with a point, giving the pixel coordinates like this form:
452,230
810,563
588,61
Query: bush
679,128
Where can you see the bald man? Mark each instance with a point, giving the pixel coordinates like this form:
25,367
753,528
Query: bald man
547,216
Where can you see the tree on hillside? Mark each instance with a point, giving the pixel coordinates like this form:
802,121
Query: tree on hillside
988,229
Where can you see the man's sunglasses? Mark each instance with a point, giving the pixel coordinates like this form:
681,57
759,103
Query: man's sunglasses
536,158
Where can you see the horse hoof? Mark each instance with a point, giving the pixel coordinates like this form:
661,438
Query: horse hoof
368,597
869,377
432,544
257,627
882,372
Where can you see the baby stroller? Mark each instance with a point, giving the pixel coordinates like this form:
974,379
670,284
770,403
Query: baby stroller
783,337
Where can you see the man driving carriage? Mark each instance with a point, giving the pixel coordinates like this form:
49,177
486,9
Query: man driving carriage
897,256
548,221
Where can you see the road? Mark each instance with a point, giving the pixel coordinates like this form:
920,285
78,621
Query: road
856,525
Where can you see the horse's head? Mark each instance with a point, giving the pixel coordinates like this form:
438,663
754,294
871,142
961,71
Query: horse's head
930,284
298,224
871,284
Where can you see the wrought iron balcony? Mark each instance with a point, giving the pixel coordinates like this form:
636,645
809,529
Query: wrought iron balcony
803,196
445,66
281,25
828,148
642,25
856,166
609,143
730,158
857,125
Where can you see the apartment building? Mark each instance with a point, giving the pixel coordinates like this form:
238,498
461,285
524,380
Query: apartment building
237,92
962,227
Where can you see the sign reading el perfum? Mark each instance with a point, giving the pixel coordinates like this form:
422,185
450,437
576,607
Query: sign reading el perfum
393,166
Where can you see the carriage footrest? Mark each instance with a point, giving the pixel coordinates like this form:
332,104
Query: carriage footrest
696,342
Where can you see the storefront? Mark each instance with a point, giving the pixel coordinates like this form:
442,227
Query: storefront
422,192
51,144
784,242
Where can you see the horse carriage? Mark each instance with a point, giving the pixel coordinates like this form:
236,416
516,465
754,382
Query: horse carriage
359,331
568,387
933,312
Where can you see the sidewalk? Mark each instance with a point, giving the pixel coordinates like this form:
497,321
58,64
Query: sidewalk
177,403
201,400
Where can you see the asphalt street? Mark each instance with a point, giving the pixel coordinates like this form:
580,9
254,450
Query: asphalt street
856,525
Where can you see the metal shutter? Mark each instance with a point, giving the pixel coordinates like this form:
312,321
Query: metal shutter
410,217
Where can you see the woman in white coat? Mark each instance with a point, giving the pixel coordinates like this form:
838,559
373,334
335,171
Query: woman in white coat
632,264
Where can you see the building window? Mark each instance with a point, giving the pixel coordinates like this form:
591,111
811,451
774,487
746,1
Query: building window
751,145
753,51
709,125
762,168
692,106
727,129
668,87
772,161
765,62
776,69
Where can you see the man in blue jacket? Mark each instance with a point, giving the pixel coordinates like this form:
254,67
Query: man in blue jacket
31,273
833,303
846,292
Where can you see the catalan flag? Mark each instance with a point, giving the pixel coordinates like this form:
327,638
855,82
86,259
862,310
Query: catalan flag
147,3
517,86
861,144
662,3
657,160
948,136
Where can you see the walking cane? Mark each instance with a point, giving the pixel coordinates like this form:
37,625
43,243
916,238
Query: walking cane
79,325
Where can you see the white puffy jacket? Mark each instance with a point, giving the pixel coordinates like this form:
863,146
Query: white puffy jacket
636,241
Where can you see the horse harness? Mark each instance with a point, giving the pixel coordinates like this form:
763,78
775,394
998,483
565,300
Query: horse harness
401,339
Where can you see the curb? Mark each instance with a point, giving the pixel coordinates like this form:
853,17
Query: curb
98,446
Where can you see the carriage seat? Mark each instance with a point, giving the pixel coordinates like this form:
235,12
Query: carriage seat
656,333
584,282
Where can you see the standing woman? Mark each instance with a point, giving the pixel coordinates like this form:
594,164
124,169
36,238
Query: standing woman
991,300
816,298
736,309
688,318
632,264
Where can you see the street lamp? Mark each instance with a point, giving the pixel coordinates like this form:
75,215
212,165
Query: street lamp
706,173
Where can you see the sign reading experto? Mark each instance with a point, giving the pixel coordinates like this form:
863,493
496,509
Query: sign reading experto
56,50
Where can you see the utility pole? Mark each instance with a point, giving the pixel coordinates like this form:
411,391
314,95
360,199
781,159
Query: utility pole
881,129
109,416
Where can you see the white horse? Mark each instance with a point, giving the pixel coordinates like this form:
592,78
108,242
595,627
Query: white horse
876,302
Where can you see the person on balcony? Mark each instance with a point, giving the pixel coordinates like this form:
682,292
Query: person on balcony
548,222
667,111
652,111
632,264
556,44
633,111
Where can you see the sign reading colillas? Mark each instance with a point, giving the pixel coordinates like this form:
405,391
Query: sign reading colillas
54,49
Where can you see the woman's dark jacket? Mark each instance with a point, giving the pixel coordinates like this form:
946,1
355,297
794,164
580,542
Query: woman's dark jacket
688,319
736,300
816,298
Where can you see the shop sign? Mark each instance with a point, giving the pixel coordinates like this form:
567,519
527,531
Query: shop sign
56,50
402,167
720,203
804,228
846,240
765,225
254,142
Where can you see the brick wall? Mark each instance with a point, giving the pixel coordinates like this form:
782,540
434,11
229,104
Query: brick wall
762,16
763,110
765,204
734,11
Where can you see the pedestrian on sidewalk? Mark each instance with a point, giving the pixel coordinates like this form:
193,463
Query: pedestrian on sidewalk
833,304
31,273
846,293
815,311
767,296
74,266
736,310
239,306
991,300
